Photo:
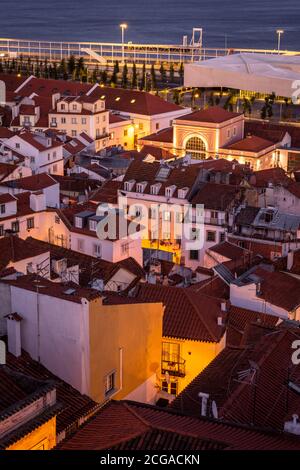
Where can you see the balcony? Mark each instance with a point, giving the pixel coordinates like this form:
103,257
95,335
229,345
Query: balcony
102,136
53,124
215,221
173,364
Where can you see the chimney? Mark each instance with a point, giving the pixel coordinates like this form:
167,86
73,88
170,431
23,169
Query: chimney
293,426
204,399
224,306
290,260
37,201
220,320
14,333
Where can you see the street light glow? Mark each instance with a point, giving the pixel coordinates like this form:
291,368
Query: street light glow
123,25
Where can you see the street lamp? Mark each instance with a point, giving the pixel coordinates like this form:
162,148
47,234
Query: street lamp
279,32
123,26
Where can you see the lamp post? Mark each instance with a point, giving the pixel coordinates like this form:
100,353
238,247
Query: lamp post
123,26
279,33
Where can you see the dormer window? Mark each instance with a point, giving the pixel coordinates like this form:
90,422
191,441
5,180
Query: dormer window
140,187
78,222
62,107
74,107
128,185
93,225
155,188
182,193
170,190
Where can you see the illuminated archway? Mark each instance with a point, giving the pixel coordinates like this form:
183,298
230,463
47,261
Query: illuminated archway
196,147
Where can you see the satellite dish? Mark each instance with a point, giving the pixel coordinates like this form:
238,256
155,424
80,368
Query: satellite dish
214,409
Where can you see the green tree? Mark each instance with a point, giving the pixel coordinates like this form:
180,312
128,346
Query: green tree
144,78
125,76
163,75
172,73
134,77
104,77
153,78
71,65
181,72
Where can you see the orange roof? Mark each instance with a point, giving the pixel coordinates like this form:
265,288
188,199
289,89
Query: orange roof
250,143
214,114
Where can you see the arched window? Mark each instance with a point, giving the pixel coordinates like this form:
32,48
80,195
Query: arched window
196,147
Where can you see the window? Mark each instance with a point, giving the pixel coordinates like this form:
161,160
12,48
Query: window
222,237
194,255
53,120
138,211
15,226
80,244
210,236
125,133
74,121
141,126
125,249
179,217
234,131
54,169
167,216
1,230
2,209
93,225
196,147
30,223
17,146
48,157
78,222
63,120
157,126
171,387
228,133
62,107
104,118
32,160
152,213
155,188
54,155
74,133
74,107
109,383
83,121
97,250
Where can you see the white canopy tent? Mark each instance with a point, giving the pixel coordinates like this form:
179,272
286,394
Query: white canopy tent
261,73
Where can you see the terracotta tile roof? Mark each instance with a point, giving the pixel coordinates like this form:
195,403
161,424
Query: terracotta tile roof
90,267
156,152
214,287
32,282
229,250
279,289
134,102
218,197
187,315
238,321
74,146
294,188
75,406
76,183
6,169
214,114
6,197
164,136
28,109
231,377
31,139
86,137
250,143
135,426
5,133
179,176
246,215
108,193
14,249
33,182
272,131
275,176
12,81
116,118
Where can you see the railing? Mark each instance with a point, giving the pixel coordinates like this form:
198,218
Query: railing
102,136
173,364
110,52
